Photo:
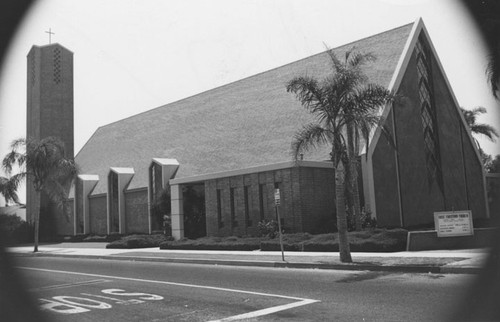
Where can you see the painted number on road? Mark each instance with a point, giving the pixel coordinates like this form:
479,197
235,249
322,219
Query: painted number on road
74,305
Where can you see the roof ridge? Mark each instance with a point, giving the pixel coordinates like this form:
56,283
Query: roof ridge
251,76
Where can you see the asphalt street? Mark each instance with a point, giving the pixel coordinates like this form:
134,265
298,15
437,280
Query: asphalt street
67,289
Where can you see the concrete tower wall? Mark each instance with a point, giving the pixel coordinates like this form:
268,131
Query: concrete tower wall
49,106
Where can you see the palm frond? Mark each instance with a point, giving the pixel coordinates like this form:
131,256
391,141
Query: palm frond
309,137
307,91
493,73
485,129
357,59
8,188
372,97
470,117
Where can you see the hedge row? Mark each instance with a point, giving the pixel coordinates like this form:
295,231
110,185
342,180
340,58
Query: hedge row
373,240
138,241
214,243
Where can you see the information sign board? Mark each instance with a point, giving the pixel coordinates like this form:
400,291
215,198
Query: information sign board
453,223
277,197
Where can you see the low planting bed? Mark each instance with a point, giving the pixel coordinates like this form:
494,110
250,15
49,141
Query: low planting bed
371,240
138,241
214,243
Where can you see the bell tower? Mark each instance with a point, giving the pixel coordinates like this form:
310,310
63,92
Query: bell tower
49,101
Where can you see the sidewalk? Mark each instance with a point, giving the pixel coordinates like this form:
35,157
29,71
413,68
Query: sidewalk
446,261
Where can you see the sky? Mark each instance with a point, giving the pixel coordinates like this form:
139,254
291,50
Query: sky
131,56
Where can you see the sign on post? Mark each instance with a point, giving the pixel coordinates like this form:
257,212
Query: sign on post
277,200
453,223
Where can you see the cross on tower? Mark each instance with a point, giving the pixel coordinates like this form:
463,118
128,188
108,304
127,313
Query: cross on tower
50,34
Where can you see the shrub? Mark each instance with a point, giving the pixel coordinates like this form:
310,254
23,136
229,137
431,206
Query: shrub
138,241
268,228
214,243
15,230
372,240
97,238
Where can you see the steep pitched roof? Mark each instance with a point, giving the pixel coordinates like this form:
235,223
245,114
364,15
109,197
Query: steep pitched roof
243,124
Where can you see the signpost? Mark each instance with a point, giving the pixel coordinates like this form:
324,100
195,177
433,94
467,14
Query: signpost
277,202
453,223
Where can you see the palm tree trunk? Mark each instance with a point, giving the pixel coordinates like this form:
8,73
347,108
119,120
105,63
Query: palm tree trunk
355,197
37,219
344,250
352,180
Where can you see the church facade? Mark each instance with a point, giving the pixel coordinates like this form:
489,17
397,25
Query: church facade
233,144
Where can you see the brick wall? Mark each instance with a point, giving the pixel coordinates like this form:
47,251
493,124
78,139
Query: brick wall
318,199
136,211
98,214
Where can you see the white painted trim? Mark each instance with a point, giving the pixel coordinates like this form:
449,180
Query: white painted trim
163,161
262,168
89,177
177,211
119,170
135,189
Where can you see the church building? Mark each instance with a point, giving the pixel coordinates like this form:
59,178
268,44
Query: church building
232,144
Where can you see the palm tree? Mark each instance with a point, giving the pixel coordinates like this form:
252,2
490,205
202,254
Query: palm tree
479,128
487,130
346,108
9,186
44,163
493,72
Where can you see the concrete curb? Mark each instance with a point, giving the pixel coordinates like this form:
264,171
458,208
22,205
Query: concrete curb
445,269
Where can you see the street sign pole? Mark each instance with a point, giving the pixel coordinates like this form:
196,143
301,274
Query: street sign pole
277,202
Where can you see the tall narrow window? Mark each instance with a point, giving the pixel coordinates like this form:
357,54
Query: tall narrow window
261,201
219,209
156,193
234,222
114,219
79,215
428,114
248,221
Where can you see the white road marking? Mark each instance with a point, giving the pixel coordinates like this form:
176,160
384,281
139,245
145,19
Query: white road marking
253,314
267,311
54,287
